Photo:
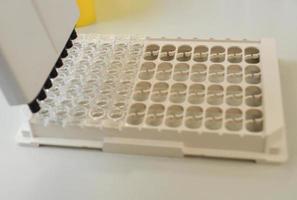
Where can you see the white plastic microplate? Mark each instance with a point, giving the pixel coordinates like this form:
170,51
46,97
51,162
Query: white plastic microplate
171,97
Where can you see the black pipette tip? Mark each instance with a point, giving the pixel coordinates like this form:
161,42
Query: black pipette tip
73,35
64,53
69,44
34,106
42,95
53,73
59,63
48,84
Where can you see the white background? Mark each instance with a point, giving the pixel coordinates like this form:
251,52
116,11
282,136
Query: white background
70,174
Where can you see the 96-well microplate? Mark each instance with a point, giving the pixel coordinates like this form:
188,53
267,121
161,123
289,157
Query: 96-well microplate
172,97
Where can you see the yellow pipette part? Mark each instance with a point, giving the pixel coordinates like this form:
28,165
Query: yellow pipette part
87,12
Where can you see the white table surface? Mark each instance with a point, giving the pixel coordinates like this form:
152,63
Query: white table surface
70,174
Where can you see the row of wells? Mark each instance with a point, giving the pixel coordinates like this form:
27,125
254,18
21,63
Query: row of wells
215,73
194,117
201,53
233,95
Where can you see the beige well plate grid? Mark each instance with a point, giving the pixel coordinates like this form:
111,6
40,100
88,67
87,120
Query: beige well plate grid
172,97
